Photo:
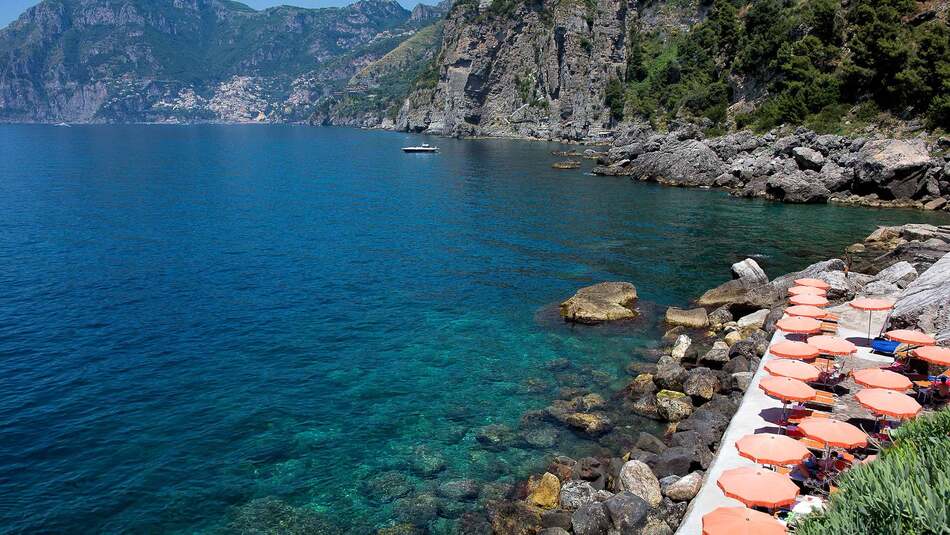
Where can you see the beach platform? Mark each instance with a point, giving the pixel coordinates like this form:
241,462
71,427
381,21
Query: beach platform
757,409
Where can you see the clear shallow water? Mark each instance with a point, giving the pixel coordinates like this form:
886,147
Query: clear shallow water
192,318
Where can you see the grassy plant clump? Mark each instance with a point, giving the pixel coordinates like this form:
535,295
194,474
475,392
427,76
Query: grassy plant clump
904,492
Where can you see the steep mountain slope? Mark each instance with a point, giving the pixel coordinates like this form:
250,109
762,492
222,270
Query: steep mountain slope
156,60
574,69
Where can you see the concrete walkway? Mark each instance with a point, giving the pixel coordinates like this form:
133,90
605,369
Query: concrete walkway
749,418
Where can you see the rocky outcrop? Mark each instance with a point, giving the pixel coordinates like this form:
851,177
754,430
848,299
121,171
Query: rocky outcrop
607,301
533,69
925,303
801,167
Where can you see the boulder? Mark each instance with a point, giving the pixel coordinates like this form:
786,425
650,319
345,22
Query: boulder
741,292
607,301
676,460
576,493
681,347
802,187
808,158
684,488
544,491
591,519
641,384
593,424
650,443
513,518
688,162
742,380
669,373
892,168
750,271
925,303
695,318
627,511
708,423
701,383
900,274
554,531
719,353
557,519
673,406
637,478
646,406
720,316
753,321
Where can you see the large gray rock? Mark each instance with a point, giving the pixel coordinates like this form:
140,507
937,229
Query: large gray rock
808,158
900,274
670,374
681,347
576,493
628,512
689,163
893,168
749,270
673,406
925,303
591,519
701,383
684,488
637,478
695,318
801,187
719,353
607,301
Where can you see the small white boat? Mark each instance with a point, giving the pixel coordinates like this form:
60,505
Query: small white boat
425,147
64,125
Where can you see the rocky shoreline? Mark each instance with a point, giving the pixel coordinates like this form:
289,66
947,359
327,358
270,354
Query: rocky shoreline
796,167
646,482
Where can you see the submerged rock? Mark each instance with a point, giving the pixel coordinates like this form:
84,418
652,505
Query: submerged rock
607,301
270,515
388,486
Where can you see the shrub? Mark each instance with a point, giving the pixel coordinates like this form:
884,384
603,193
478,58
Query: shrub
905,491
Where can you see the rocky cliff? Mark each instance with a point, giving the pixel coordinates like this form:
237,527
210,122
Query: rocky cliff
530,69
185,60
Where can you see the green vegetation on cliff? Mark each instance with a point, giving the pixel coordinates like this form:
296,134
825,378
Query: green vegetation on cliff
809,61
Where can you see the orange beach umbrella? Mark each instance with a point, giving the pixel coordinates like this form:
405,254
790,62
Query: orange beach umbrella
870,305
933,354
833,433
790,349
795,369
777,450
878,378
787,389
758,487
814,283
806,290
741,521
888,403
906,336
832,345
806,299
798,325
806,311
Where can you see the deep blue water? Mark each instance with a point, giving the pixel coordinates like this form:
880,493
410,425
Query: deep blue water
194,318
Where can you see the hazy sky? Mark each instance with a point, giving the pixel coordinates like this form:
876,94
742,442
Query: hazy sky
11,9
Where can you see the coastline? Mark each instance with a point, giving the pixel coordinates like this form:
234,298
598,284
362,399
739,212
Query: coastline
702,382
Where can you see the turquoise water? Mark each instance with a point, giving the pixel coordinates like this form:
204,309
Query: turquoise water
196,318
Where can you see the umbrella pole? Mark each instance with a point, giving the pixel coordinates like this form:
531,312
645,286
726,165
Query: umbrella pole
870,315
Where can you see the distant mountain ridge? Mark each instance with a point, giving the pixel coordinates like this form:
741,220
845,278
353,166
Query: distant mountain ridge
190,60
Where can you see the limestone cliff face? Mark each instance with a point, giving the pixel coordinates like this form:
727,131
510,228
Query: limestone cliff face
540,70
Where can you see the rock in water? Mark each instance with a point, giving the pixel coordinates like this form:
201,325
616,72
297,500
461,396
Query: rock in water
576,493
607,301
695,318
544,491
749,270
637,478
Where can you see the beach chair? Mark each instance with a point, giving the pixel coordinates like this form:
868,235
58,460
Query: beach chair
883,346
823,400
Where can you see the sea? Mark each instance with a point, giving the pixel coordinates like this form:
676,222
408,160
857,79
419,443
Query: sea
291,329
